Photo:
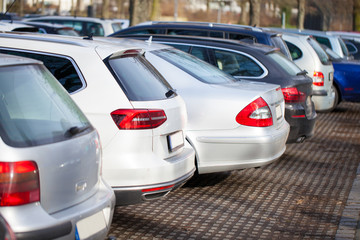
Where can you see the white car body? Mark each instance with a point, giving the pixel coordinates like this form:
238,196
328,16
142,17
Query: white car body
136,163
306,53
222,144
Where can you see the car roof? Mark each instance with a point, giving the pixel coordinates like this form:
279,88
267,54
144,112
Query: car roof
11,60
92,19
204,41
207,25
12,26
103,48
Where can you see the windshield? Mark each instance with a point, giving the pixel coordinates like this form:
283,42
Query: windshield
289,66
34,108
194,66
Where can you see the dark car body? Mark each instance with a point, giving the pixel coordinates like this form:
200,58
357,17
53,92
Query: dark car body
346,77
216,30
257,64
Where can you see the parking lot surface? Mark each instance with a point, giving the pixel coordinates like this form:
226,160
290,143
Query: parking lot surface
311,192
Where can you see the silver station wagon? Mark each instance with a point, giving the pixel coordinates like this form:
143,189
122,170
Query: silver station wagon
50,182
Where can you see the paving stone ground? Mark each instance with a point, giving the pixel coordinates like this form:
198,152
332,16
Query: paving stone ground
311,192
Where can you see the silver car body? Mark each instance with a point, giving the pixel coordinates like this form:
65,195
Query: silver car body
221,144
307,57
35,115
138,164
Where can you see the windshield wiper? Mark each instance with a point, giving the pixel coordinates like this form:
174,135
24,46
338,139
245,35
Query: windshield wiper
75,130
303,72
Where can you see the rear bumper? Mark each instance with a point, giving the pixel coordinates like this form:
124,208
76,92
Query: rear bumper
323,100
136,194
30,221
220,150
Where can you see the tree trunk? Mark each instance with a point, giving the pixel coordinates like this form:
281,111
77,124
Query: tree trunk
255,12
139,11
301,14
356,15
155,10
105,10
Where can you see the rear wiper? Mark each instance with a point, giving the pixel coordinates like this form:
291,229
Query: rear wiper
303,72
75,130
169,93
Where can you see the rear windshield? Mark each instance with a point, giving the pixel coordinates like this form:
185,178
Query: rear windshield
195,67
288,66
278,42
324,58
35,109
138,78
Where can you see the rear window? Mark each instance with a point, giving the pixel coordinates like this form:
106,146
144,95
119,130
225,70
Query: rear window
278,42
195,67
287,65
295,52
324,58
138,78
35,109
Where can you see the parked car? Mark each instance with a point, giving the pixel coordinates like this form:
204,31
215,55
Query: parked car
206,29
346,77
258,63
139,116
51,184
309,55
351,40
85,26
16,27
52,28
333,42
229,120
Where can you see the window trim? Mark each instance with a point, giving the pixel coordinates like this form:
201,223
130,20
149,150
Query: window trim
82,79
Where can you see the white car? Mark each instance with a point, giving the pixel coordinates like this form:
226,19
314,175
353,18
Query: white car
232,124
50,162
84,25
139,117
308,55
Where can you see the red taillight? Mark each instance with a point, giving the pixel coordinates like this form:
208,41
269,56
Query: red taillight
19,183
318,79
138,118
293,95
256,114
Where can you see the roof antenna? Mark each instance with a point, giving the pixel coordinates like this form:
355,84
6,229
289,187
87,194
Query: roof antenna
149,41
89,37
9,10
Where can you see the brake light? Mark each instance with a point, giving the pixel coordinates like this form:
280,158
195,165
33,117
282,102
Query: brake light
256,114
126,119
318,79
19,183
293,95
157,188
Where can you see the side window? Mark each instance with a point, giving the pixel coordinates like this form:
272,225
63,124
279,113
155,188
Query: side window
184,48
201,53
216,34
351,47
242,37
95,29
187,32
294,51
60,67
237,64
145,31
324,41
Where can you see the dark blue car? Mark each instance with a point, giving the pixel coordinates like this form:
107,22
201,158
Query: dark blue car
346,77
